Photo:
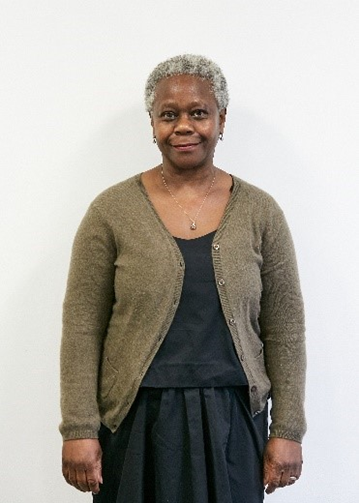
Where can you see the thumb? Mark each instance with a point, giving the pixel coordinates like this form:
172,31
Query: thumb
94,477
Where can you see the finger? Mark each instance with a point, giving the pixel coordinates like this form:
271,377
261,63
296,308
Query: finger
271,478
81,481
272,486
292,480
272,481
69,473
267,473
291,475
299,470
65,473
94,480
284,478
72,479
94,476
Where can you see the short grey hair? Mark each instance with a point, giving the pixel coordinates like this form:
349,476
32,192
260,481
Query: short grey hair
188,64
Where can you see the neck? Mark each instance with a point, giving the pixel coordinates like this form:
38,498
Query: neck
193,219
188,176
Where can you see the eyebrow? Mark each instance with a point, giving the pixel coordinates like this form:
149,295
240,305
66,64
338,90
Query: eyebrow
193,104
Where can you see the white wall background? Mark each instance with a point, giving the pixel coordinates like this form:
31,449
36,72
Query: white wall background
73,123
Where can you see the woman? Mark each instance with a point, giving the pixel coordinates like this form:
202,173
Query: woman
182,313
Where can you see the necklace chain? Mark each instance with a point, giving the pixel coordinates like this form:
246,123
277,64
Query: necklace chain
193,225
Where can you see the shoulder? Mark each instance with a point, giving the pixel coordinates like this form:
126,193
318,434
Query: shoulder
257,210
116,203
123,200
253,197
118,193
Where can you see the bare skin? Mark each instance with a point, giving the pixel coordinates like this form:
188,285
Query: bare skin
186,123
282,460
190,194
81,464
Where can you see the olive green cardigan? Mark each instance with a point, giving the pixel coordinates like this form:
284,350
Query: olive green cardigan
124,287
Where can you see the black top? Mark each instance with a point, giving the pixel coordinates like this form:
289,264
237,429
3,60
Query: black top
198,350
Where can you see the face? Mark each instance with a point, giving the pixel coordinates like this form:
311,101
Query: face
186,121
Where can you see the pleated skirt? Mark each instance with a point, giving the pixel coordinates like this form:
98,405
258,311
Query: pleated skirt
185,445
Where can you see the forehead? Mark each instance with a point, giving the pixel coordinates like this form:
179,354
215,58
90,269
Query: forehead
182,88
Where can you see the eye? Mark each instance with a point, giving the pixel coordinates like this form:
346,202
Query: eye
168,115
199,113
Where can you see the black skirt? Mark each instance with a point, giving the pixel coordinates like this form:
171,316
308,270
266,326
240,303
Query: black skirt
185,445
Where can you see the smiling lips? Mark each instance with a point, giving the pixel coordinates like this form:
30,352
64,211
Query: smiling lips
185,146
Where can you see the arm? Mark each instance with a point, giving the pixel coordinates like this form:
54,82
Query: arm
282,329
87,309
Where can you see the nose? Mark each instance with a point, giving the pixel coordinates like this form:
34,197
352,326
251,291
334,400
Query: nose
183,124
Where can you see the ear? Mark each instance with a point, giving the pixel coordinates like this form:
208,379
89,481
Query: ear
222,118
152,124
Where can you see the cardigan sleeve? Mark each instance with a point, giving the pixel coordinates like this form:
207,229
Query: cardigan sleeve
282,329
86,313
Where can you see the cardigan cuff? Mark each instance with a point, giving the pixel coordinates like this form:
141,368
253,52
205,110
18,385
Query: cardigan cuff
288,435
77,433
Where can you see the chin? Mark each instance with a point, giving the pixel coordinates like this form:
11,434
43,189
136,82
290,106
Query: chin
188,162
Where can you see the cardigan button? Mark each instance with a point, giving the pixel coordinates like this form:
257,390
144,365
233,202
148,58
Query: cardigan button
221,282
232,321
253,389
216,246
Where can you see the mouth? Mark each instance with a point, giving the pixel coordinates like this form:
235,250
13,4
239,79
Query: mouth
185,147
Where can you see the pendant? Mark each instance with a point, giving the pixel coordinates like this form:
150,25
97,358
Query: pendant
193,226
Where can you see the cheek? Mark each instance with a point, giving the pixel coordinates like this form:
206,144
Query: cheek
161,130
210,130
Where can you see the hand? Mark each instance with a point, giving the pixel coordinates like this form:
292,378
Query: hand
282,463
81,464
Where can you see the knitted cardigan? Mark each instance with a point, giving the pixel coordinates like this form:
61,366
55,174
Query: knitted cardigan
124,287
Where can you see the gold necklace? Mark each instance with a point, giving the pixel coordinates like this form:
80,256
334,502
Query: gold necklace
193,225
